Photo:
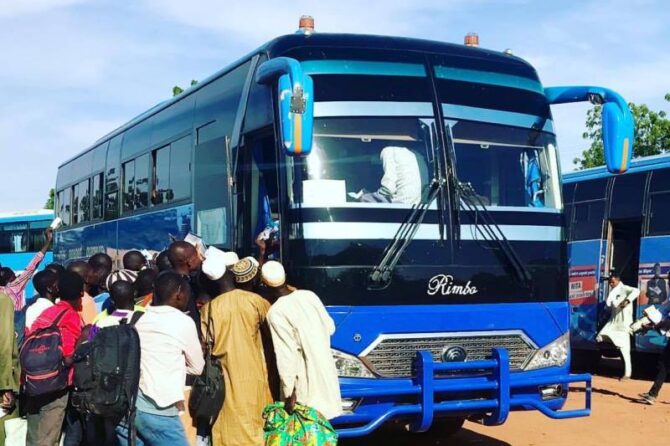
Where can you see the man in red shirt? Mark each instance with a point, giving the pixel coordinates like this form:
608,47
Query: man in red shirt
46,413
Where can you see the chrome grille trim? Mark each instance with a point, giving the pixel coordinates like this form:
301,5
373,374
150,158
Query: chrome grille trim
391,355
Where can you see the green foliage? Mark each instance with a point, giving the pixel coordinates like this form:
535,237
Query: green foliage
652,134
177,90
50,201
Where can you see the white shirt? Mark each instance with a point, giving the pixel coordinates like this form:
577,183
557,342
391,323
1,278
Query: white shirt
301,330
402,178
35,309
169,350
617,328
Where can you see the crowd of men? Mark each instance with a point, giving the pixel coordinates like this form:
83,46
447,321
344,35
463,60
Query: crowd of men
272,342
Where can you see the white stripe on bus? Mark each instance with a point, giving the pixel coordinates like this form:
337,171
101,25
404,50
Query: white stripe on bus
386,231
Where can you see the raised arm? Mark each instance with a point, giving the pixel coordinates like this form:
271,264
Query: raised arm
22,279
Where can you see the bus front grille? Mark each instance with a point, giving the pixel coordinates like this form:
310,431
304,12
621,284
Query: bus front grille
391,356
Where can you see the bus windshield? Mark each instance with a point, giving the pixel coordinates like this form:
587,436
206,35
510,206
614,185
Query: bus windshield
364,161
507,166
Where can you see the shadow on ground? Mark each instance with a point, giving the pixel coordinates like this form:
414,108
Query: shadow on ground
395,437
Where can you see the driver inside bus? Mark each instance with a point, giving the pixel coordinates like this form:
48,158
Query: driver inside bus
401,182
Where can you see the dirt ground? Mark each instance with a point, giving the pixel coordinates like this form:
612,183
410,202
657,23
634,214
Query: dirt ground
617,419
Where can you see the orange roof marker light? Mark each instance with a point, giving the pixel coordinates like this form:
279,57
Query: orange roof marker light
471,39
306,24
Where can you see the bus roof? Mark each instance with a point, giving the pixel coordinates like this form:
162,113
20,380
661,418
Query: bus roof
36,215
282,44
637,165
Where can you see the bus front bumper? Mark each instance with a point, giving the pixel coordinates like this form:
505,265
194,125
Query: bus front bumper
489,396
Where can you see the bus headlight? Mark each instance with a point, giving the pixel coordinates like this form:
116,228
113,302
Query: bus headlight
552,354
349,366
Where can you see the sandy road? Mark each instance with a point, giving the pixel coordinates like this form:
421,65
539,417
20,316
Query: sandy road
618,419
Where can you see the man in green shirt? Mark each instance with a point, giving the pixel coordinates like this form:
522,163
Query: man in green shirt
9,365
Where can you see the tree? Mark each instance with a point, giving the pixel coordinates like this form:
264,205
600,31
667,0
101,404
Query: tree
50,201
652,134
177,90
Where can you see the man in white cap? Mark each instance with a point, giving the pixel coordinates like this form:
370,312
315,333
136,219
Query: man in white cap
301,330
237,317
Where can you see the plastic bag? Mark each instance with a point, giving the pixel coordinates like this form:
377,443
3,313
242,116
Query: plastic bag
306,426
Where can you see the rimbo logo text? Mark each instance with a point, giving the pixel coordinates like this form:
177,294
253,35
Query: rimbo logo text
444,284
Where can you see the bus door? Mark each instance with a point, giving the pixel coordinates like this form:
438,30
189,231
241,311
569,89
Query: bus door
624,249
586,259
212,191
258,194
625,228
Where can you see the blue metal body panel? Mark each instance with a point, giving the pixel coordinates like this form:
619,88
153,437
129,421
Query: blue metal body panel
652,250
428,397
418,400
584,259
151,231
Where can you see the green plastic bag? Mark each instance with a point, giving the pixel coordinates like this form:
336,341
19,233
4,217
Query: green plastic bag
306,426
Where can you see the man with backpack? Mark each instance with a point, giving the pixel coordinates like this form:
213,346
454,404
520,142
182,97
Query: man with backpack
46,284
112,350
170,349
46,362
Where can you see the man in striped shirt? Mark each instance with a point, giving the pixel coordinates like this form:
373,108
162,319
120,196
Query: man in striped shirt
13,285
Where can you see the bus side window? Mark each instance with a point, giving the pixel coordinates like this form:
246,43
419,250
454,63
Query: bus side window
128,186
568,199
13,237
84,201
112,172
659,211
589,210
36,235
142,164
180,168
96,197
160,192
75,204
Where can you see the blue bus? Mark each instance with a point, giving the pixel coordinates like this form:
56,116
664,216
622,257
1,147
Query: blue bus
417,191
619,222
21,237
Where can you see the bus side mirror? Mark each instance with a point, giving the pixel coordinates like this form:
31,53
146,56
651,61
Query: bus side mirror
296,102
618,125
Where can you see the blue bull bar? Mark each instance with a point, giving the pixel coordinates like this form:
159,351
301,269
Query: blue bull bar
497,381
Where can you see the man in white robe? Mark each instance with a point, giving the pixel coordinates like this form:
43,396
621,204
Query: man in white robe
301,329
617,331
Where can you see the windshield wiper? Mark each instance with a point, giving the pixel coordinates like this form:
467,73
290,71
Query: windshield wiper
490,231
380,277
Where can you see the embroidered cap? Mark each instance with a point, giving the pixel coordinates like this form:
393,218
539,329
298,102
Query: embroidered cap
245,270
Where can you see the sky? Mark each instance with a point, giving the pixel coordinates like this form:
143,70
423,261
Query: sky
73,70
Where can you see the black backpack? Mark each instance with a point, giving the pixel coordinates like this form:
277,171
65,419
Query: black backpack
41,359
208,390
107,372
